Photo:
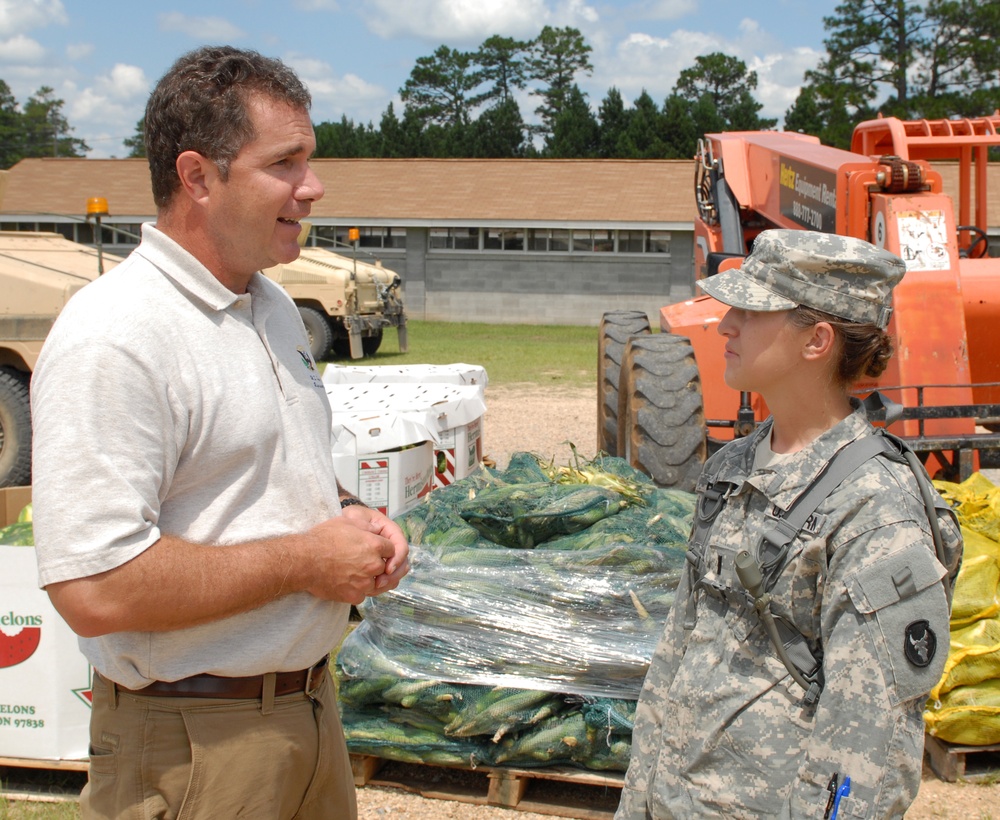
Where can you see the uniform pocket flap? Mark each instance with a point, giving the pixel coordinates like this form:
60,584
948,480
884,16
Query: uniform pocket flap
894,578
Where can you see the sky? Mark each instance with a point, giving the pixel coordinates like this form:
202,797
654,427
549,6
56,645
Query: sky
102,57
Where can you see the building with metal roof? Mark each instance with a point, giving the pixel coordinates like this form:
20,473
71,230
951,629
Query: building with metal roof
534,241
522,241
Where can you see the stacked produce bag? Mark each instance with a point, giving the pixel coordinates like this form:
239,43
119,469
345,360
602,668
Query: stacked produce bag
523,632
964,707
20,532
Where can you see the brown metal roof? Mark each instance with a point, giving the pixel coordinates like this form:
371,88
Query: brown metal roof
418,190
421,191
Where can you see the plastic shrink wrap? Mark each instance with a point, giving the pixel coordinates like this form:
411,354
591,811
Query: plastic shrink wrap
524,630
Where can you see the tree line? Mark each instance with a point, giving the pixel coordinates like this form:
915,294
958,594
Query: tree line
37,128
936,59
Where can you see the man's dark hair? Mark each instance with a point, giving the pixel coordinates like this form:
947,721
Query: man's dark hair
200,105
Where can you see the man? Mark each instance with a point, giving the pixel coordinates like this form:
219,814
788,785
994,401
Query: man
188,523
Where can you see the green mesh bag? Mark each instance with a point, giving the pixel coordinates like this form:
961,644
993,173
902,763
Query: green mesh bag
523,515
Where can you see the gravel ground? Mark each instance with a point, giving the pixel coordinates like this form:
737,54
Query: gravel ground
544,421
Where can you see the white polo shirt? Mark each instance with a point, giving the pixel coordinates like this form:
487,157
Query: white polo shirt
165,403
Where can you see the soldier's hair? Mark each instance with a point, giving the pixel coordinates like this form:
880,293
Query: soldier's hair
865,349
201,104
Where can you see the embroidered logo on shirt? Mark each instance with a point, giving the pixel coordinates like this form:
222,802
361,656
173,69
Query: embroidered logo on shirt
920,643
310,365
307,359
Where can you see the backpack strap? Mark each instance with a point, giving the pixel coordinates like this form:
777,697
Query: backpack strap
773,549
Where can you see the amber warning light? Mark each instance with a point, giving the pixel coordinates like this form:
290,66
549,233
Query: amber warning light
97,206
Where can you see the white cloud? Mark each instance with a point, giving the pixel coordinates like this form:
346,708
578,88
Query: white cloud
334,96
79,51
643,61
664,9
21,49
779,78
203,29
124,82
18,16
102,120
573,13
316,5
470,21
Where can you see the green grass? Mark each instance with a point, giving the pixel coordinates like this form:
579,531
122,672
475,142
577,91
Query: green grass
553,355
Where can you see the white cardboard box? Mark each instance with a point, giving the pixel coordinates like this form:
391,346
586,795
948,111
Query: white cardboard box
458,373
45,680
387,460
452,412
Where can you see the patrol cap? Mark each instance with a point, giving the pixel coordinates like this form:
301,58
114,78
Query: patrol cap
840,275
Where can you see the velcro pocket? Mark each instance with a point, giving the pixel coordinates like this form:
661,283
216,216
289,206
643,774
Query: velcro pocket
905,608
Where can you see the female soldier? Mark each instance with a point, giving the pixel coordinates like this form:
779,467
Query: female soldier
802,644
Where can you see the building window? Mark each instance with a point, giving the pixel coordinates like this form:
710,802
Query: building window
454,239
659,242
631,241
504,239
369,237
323,235
548,239
125,234
597,241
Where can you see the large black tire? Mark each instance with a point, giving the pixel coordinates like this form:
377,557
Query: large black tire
15,429
371,344
616,328
319,332
662,410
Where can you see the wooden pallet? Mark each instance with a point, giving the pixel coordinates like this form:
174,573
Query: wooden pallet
951,762
42,781
561,791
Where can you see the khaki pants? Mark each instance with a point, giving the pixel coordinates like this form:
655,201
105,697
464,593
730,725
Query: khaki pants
198,758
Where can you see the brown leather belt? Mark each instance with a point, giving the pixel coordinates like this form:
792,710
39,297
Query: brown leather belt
246,688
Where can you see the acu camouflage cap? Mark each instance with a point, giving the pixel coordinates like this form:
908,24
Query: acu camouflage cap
846,277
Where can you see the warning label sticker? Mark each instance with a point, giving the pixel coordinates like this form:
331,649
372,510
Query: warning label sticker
808,195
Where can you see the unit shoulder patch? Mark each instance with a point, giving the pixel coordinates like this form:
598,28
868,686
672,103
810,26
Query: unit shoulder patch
920,643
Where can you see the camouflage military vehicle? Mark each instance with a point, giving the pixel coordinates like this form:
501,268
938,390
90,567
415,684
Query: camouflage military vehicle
345,303
39,272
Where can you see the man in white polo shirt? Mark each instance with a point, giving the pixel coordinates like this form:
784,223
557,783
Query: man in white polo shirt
188,523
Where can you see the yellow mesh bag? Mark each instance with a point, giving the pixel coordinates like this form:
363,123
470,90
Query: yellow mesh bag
975,594
977,502
967,715
974,656
964,706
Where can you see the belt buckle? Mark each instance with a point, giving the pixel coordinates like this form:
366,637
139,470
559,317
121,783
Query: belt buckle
313,680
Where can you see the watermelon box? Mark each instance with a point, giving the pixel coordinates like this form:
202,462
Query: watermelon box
12,501
45,681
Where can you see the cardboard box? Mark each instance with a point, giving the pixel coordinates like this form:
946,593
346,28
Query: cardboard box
12,501
459,373
387,460
45,681
452,412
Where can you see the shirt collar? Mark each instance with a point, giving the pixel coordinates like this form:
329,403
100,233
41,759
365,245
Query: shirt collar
789,479
184,269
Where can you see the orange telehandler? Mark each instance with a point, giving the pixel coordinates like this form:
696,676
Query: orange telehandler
917,188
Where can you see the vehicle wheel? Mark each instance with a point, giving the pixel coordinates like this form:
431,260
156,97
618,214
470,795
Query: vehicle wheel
319,332
15,429
662,410
615,330
342,347
371,344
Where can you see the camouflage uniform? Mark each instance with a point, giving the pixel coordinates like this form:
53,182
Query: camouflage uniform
721,729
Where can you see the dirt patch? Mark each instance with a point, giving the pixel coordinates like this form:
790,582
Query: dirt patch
549,422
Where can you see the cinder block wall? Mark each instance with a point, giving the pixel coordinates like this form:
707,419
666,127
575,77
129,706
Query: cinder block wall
539,288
